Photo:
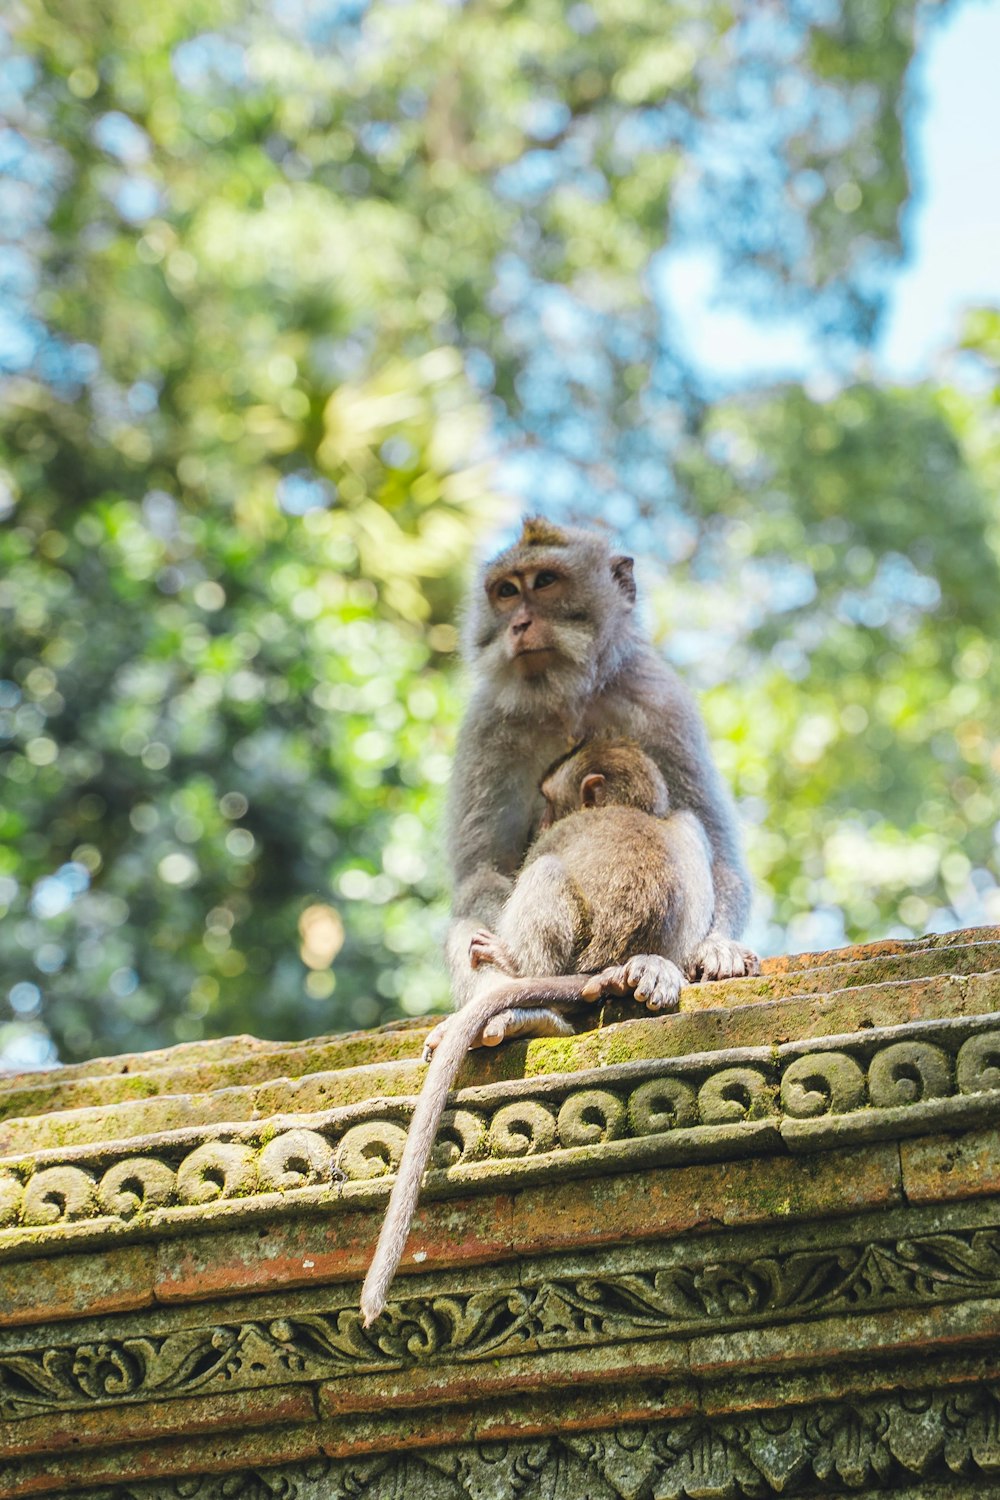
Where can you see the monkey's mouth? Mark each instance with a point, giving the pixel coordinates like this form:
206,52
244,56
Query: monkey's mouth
532,660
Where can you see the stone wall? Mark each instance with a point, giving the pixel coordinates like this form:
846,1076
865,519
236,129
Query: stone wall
749,1250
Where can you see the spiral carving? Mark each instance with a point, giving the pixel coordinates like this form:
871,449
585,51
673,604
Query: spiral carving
591,1116
11,1194
662,1104
907,1072
135,1186
105,1371
294,1159
524,1128
734,1094
461,1138
978,1067
57,1195
218,1169
822,1083
371,1150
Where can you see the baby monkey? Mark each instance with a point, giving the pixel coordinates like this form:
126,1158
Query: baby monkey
614,895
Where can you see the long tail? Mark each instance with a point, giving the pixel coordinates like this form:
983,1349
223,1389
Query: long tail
463,1028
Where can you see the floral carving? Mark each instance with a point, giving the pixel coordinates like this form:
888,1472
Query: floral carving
461,1137
978,1065
294,1159
908,1072
524,1128
735,1094
589,1116
137,1184
662,1104
371,1149
58,1195
218,1169
11,1198
576,1310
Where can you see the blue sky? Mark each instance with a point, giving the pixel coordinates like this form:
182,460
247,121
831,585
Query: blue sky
952,227
954,231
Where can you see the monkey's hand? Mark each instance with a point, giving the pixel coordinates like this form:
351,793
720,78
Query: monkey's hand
486,948
653,980
721,958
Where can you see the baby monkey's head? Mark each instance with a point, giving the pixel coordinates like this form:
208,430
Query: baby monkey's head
601,773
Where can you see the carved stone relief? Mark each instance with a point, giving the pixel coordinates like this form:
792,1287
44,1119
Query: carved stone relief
883,1444
679,1297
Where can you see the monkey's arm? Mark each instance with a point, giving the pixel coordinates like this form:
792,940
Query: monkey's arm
477,903
492,804
676,738
458,1033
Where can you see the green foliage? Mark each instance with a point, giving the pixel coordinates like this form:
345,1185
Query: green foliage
863,530
283,280
218,717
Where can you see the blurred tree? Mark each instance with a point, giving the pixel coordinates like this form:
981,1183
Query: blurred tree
863,530
278,279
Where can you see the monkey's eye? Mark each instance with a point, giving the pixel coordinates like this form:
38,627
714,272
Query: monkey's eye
544,578
507,590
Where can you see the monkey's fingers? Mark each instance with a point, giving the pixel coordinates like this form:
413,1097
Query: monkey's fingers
480,947
524,1020
655,980
721,958
486,948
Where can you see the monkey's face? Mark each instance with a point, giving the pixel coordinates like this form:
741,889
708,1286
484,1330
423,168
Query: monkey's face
553,612
527,603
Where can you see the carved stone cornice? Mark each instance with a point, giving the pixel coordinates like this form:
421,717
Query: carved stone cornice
880,1084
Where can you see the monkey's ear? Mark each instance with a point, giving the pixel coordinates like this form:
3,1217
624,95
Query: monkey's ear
621,572
592,791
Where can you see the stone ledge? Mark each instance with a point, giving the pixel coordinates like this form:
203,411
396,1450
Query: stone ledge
681,1298
240,1066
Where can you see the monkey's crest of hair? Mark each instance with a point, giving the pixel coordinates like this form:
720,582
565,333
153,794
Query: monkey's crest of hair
537,531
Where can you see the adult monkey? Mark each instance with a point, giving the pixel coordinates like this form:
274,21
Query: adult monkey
557,658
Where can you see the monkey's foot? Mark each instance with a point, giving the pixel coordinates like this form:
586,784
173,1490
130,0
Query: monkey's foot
523,1020
721,958
653,980
520,1020
486,948
434,1039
